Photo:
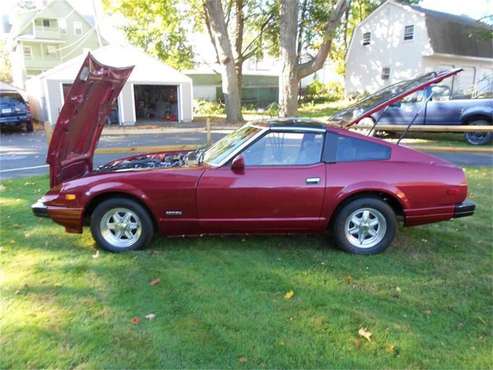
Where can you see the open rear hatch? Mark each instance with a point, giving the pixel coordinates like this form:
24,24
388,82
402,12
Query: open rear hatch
387,96
82,118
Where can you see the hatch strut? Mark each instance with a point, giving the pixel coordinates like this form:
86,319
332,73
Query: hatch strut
423,107
375,121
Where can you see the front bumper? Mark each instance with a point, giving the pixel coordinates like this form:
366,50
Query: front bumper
466,208
39,209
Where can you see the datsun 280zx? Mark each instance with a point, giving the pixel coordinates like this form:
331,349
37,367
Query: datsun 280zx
279,176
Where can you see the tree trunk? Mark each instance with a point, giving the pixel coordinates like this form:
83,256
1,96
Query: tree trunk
229,77
288,79
292,72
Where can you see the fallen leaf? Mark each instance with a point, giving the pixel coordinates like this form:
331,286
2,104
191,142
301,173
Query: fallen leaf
428,312
154,281
357,343
96,255
242,359
135,320
289,294
348,279
363,332
393,349
150,316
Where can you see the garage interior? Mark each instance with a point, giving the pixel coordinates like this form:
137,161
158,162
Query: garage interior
156,103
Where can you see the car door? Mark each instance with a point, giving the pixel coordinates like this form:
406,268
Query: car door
281,187
442,109
403,112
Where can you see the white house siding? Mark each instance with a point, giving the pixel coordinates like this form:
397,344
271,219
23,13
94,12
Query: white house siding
476,70
387,49
204,92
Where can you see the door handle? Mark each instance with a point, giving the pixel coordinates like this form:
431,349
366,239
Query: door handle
312,180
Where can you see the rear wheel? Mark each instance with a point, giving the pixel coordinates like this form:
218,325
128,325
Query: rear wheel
29,126
120,225
365,226
479,138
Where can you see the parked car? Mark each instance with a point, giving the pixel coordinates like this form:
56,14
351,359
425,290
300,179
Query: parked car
438,105
14,111
284,175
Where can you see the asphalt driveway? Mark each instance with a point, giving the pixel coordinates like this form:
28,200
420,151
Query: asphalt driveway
24,154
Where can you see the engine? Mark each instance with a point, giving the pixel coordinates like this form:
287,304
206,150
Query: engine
145,162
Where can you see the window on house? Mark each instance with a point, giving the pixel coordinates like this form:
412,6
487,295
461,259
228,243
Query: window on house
385,73
62,23
366,38
46,23
77,28
28,52
409,32
51,50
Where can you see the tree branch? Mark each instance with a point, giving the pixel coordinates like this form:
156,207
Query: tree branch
305,69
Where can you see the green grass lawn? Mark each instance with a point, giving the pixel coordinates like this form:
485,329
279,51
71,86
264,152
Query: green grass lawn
220,302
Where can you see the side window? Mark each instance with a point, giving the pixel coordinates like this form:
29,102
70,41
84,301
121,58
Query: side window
285,148
340,148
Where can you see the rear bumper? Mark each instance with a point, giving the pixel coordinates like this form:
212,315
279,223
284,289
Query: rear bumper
14,120
466,208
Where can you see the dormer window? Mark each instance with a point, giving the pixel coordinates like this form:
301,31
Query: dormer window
409,32
366,38
385,73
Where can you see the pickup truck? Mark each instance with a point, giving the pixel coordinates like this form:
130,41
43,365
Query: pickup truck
443,108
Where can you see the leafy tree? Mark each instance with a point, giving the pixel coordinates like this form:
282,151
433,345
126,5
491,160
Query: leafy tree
5,66
236,29
157,26
307,31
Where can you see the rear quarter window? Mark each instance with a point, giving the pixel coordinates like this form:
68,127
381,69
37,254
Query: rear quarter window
339,148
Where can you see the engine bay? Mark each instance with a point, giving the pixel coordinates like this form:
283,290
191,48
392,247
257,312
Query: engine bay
148,161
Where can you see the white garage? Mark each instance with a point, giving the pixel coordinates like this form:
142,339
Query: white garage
154,92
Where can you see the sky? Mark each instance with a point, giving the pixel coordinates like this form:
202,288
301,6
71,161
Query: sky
473,8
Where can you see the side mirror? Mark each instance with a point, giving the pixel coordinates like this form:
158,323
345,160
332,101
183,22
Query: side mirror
238,164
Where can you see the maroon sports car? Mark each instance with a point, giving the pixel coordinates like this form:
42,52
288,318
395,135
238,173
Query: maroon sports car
280,176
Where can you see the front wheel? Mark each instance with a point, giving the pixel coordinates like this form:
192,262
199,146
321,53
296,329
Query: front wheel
365,226
479,138
120,224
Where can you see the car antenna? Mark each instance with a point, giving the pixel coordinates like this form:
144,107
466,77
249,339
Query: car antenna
423,107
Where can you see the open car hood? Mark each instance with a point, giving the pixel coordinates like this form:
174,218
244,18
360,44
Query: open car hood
387,96
82,119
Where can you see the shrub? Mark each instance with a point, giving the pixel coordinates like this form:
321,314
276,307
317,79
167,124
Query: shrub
207,108
318,92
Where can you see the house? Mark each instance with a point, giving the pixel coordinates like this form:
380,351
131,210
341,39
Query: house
259,88
42,38
154,92
399,41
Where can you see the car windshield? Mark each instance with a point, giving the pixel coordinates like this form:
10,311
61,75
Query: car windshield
228,144
353,112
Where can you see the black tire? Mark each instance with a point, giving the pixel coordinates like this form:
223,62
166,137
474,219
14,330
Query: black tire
142,218
479,138
29,126
384,230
